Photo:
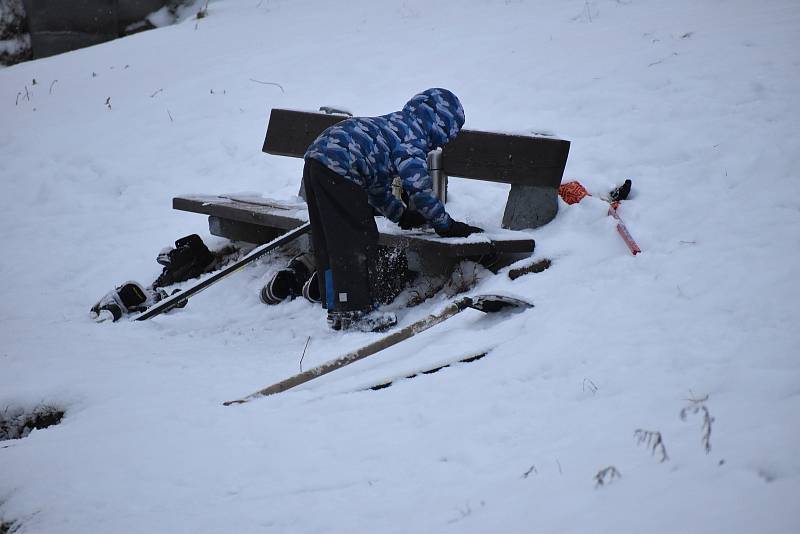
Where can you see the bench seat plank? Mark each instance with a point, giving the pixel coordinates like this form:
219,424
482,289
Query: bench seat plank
270,214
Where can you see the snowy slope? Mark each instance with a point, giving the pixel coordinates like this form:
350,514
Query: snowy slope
694,100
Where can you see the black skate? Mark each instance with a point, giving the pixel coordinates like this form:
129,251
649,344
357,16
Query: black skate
287,284
128,298
188,259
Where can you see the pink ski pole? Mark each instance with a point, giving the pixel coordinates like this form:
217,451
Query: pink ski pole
623,231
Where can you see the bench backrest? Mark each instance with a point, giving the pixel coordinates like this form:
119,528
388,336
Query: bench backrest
495,157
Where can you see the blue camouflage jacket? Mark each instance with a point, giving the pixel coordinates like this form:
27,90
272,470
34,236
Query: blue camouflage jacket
371,151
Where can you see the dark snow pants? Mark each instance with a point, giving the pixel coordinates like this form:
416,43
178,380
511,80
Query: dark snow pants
344,237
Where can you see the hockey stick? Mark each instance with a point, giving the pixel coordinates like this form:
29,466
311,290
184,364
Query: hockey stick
484,303
172,301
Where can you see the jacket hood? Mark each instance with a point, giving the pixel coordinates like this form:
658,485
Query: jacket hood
439,113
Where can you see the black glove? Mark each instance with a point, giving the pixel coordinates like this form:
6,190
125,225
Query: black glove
459,229
411,219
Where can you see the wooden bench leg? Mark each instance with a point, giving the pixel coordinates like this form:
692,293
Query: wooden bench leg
530,206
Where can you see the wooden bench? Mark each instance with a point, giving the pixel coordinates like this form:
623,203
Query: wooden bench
532,165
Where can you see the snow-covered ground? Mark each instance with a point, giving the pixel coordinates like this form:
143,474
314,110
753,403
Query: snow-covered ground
695,100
